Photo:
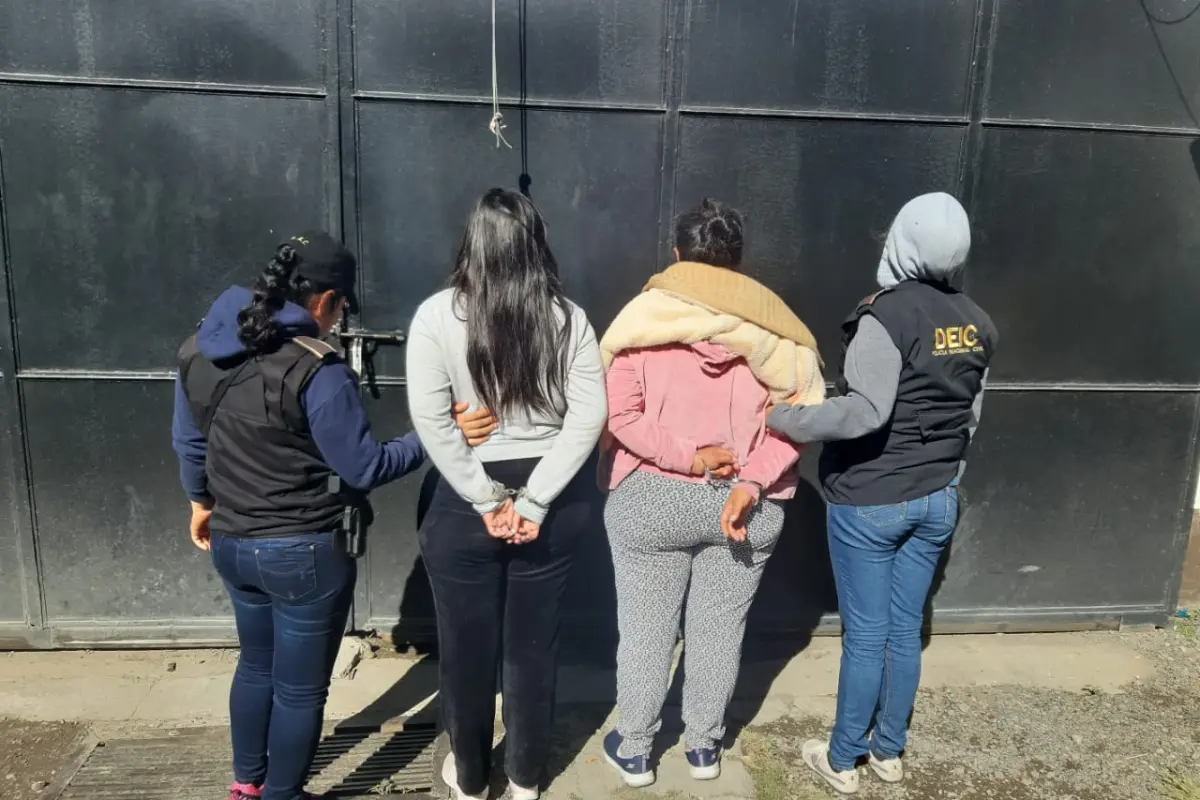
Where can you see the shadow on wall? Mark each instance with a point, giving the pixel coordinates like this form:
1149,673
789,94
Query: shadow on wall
136,206
205,29
1154,22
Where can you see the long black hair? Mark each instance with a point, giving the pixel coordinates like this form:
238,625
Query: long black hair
258,329
713,234
518,319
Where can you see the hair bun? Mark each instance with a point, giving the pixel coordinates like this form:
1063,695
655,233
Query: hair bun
712,234
716,228
287,255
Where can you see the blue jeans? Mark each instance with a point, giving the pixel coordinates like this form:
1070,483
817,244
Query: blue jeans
884,558
291,596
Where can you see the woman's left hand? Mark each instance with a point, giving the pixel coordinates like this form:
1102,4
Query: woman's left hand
737,510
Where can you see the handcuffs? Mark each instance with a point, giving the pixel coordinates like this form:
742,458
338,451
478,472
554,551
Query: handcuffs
500,493
726,483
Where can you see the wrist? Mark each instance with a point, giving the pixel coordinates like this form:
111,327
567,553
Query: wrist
680,457
500,494
529,509
755,490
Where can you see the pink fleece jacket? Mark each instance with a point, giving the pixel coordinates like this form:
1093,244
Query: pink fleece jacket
666,402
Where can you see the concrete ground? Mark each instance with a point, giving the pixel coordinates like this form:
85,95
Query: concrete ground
1102,716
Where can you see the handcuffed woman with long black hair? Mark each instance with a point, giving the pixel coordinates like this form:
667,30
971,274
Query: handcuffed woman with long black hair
502,527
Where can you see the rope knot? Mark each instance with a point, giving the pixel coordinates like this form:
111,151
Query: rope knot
497,126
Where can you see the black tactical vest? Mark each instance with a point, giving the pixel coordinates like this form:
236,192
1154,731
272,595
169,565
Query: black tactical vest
946,342
264,469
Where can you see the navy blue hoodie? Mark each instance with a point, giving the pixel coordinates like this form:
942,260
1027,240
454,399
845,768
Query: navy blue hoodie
336,416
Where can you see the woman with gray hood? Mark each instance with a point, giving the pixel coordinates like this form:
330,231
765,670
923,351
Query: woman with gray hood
915,362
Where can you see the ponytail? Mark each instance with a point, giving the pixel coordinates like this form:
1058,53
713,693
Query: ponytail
258,329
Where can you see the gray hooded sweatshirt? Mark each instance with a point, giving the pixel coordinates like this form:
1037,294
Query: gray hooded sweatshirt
929,240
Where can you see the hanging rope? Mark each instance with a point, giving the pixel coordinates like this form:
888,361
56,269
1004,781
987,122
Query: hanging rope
496,126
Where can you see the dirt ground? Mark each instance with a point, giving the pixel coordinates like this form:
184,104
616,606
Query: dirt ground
988,742
31,753
1013,743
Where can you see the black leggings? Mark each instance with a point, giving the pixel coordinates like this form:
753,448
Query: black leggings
499,603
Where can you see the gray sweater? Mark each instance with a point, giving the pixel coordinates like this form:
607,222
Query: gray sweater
437,378
929,240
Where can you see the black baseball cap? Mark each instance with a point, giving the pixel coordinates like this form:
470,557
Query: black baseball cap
326,261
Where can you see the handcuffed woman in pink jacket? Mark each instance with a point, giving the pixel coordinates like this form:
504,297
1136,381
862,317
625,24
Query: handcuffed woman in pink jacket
696,480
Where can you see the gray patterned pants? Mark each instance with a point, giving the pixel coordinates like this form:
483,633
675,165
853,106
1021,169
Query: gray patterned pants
666,542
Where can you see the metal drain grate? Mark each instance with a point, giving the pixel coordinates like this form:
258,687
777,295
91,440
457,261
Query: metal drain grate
193,764
352,763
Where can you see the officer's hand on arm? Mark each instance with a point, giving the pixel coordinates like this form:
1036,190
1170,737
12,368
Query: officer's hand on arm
476,426
201,515
794,400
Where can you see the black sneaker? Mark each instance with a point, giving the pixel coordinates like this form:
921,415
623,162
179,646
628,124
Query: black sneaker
634,771
705,763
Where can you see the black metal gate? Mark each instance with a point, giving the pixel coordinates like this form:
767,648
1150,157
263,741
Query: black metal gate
150,153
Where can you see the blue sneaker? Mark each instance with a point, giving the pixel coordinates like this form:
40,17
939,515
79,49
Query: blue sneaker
705,763
634,771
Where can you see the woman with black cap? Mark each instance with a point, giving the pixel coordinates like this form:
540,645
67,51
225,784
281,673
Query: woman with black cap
265,413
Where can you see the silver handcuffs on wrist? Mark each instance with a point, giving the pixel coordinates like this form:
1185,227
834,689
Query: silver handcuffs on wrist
726,483
500,493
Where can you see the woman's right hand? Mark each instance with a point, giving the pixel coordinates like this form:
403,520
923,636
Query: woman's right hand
715,461
527,531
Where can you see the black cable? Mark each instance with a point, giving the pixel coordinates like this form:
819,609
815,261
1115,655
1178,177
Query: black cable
1162,52
525,181
1150,15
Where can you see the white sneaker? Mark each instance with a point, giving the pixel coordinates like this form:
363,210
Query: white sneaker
450,776
816,758
517,793
889,770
